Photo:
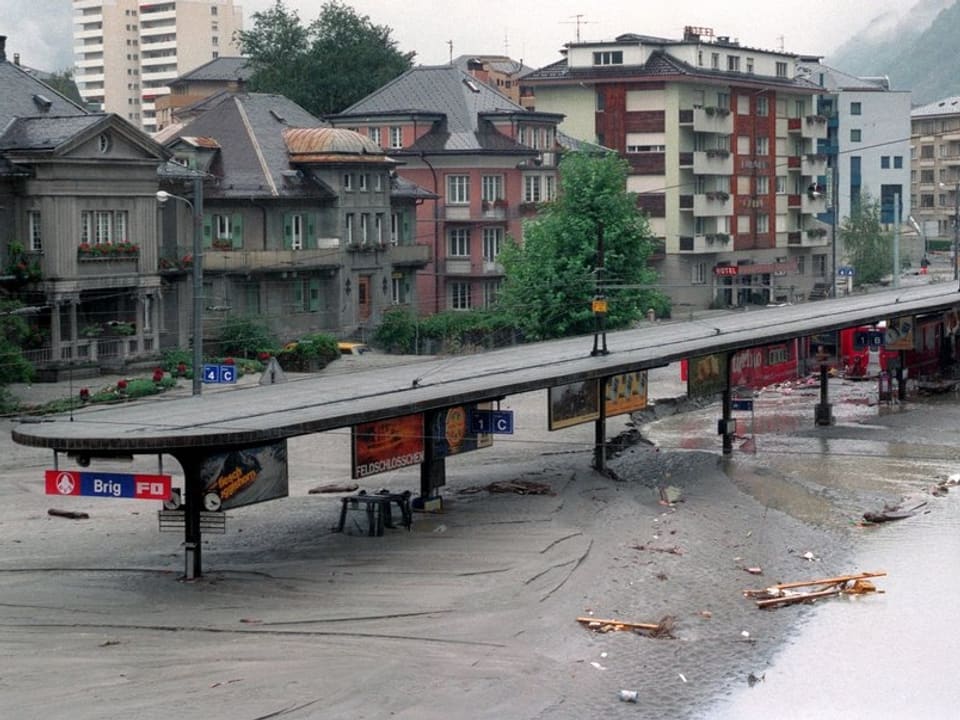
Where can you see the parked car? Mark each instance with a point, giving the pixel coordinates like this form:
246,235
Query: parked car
353,348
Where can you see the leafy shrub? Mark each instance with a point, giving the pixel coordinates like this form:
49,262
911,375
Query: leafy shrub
397,332
245,338
308,354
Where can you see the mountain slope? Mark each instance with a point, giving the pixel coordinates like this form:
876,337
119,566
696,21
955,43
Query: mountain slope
917,53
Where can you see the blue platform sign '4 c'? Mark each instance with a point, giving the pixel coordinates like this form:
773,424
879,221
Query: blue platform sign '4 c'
219,374
492,422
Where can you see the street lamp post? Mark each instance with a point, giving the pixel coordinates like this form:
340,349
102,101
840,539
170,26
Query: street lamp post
196,208
956,225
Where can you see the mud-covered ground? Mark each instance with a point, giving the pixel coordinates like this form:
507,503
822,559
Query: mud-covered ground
471,614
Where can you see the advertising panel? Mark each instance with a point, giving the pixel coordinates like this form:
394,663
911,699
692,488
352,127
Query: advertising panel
899,335
245,476
626,392
707,375
573,404
449,430
386,445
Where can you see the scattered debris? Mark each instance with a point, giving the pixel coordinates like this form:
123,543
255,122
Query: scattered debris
810,556
682,677
670,494
754,570
629,696
662,629
675,550
520,487
894,512
745,634
787,593
69,514
753,678
597,665
333,488
705,614
109,643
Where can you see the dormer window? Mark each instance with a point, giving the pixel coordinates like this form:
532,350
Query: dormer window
608,57
42,102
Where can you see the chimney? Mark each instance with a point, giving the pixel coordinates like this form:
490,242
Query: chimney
3,48
16,59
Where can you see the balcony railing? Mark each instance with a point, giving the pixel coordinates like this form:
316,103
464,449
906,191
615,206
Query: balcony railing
712,120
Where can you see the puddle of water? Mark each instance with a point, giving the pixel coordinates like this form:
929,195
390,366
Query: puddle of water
889,655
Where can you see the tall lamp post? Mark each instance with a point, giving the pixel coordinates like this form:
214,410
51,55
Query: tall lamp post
956,225
196,208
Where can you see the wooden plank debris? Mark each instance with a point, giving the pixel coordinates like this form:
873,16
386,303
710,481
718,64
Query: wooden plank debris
787,593
664,628
69,514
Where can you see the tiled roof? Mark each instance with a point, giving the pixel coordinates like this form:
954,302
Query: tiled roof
453,94
262,138
43,134
660,64
249,130
836,80
944,106
223,69
401,187
22,95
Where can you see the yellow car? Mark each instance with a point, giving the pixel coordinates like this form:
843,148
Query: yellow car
352,348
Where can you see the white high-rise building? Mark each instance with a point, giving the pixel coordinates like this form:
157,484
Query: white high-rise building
127,51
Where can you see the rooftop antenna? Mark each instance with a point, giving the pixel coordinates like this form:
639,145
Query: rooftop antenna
578,21
780,42
450,46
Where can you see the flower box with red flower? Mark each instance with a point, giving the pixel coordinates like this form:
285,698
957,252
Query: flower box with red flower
263,356
158,375
229,361
181,368
84,394
121,385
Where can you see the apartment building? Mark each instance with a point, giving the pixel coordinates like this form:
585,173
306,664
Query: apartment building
127,52
867,146
304,227
722,145
488,161
935,167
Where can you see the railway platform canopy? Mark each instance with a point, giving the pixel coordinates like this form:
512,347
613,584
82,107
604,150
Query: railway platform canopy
273,412
200,429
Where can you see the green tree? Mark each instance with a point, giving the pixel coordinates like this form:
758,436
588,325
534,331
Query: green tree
13,366
868,248
325,67
551,279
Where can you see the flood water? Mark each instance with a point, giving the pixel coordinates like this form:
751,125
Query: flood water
889,655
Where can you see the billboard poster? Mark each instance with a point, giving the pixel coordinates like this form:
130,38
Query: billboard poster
899,335
707,375
626,392
449,430
389,444
245,476
573,404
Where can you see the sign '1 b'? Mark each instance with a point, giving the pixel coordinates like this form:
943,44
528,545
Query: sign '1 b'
138,486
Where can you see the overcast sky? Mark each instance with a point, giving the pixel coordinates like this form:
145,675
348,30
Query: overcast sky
532,31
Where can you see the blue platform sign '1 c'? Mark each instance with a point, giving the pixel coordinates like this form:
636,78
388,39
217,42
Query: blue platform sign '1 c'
492,422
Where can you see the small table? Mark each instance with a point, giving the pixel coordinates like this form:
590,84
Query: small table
378,510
